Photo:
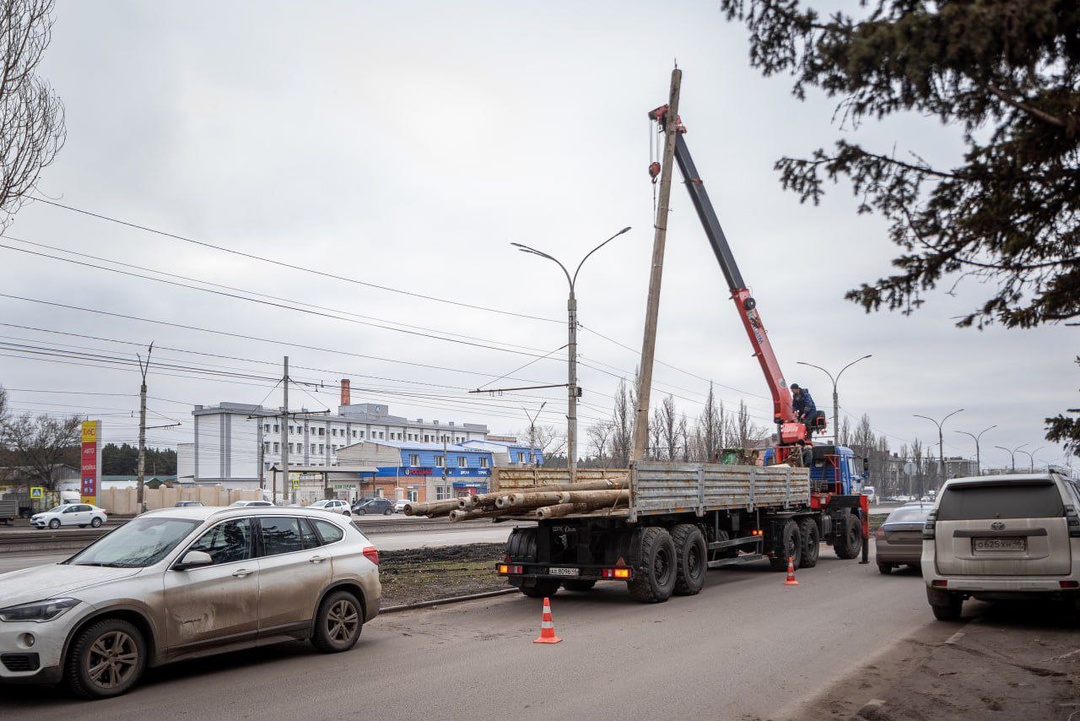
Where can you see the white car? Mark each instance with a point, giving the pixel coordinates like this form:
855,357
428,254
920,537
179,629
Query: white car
249,504
333,505
72,514
399,505
179,583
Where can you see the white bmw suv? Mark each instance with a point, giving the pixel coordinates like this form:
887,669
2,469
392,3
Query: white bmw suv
1002,537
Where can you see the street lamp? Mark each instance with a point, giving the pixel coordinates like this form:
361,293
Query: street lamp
941,439
1031,456
978,458
572,388
532,430
835,398
1012,455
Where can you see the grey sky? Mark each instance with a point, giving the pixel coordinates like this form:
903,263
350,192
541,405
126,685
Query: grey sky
406,145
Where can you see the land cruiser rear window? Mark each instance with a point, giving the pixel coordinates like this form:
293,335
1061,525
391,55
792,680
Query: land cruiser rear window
965,503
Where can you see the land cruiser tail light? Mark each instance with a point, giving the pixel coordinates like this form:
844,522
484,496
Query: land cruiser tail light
1069,584
928,529
508,569
1072,521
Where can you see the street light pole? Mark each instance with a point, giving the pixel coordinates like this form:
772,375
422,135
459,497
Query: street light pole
572,390
941,440
1012,455
1031,456
532,430
835,397
978,458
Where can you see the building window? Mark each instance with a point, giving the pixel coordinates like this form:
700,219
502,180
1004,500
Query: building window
414,459
361,434
462,462
483,461
266,446
354,434
312,449
440,461
412,495
266,428
521,456
442,493
322,449
322,431
277,447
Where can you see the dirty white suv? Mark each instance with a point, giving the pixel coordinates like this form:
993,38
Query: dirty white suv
1002,537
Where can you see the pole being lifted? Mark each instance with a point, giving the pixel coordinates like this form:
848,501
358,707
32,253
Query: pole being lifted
652,309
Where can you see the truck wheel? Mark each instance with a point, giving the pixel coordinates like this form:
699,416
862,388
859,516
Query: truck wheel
655,570
788,544
848,543
691,558
543,588
578,585
811,546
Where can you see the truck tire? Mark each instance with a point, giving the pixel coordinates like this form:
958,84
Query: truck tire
521,547
787,544
655,569
691,559
811,546
848,543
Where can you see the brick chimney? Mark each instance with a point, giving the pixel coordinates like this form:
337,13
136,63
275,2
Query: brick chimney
345,396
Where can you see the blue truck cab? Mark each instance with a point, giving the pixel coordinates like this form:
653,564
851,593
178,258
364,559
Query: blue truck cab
835,469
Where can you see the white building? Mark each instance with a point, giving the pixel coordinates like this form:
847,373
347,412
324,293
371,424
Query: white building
237,443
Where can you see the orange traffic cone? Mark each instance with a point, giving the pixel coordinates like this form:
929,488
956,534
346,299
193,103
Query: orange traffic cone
790,573
547,626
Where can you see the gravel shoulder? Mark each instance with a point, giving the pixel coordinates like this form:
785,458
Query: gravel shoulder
417,575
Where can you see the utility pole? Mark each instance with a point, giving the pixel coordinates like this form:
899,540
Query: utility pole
284,435
532,428
143,368
978,455
652,309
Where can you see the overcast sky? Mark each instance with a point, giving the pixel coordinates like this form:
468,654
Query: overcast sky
406,145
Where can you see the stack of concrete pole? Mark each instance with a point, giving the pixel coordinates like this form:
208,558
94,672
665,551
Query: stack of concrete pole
537,502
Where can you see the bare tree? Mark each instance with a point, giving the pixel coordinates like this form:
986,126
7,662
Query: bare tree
708,436
622,425
743,432
599,437
548,440
31,114
683,436
41,445
665,430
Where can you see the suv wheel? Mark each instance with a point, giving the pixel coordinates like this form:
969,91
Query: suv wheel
947,606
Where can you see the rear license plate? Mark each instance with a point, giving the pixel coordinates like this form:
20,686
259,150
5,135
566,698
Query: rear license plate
564,571
1000,544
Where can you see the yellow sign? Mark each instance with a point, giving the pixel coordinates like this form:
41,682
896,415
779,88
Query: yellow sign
37,493
296,483
89,431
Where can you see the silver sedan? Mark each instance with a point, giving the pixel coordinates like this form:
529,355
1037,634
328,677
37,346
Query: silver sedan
181,582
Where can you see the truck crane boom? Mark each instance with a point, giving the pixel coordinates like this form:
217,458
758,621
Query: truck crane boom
789,429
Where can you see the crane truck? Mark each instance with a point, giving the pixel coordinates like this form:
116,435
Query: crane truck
684,518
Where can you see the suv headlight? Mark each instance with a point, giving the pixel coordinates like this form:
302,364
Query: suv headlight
38,610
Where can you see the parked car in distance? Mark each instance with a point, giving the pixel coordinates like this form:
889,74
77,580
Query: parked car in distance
70,514
399,505
250,504
177,583
1004,537
184,504
375,505
898,542
333,505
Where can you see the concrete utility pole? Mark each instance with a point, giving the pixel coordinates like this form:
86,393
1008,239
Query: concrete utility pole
143,368
652,308
835,397
941,440
978,457
284,436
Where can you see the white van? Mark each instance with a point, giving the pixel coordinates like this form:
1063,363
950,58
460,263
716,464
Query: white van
870,493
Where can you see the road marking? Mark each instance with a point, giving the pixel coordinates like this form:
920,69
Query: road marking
954,639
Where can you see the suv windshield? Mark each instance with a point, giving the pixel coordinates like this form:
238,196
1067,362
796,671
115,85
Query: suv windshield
137,544
1029,500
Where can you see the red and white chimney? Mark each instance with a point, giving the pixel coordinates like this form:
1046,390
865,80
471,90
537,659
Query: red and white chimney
345,396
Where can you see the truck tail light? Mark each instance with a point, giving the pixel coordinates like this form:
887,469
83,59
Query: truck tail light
621,574
372,554
508,569
928,529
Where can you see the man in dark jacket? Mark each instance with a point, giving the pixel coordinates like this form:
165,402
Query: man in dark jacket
804,406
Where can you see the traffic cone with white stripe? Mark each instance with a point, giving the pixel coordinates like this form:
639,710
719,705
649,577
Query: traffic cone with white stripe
791,573
547,626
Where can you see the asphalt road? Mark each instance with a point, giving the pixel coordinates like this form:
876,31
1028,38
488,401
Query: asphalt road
748,647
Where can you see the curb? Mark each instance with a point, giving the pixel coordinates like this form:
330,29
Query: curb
441,601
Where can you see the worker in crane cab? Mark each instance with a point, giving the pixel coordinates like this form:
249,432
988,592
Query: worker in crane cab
804,407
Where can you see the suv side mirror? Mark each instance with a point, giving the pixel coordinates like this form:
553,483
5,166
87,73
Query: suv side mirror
194,559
